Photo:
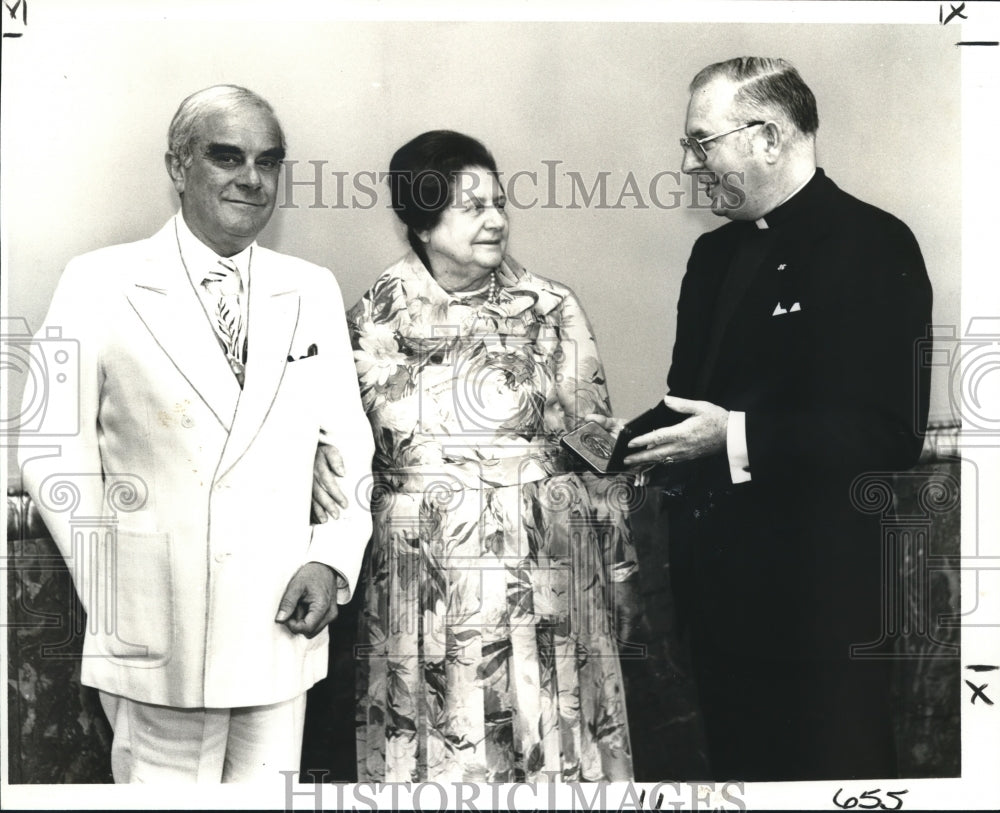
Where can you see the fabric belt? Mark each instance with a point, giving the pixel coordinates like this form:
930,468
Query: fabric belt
475,474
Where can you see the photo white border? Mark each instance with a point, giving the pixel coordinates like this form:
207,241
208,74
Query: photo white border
977,788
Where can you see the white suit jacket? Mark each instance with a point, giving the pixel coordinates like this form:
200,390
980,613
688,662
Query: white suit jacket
180,502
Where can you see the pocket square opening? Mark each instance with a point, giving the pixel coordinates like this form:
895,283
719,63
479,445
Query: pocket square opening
311,351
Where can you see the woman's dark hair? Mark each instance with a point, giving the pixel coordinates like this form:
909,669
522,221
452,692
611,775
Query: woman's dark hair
422,178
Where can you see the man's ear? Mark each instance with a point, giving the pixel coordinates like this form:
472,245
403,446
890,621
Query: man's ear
175,169
774,141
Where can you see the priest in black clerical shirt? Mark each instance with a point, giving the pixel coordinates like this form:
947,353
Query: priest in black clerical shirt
794,358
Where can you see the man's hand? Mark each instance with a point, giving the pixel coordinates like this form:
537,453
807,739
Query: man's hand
701,435
327,498
310,600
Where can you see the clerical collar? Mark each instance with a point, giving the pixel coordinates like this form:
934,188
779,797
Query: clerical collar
762,222
199,259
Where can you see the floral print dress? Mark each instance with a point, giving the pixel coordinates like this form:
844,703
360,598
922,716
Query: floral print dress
486,647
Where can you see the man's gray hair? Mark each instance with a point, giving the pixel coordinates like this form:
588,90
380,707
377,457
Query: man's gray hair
765,86
184,125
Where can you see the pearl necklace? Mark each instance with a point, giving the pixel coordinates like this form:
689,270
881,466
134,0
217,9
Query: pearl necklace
492,291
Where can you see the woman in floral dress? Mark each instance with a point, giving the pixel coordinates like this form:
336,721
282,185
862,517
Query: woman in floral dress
487,644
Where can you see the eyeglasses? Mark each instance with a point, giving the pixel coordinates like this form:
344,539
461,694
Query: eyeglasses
695,144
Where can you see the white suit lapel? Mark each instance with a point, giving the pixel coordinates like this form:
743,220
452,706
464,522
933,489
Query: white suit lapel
168,306
273,317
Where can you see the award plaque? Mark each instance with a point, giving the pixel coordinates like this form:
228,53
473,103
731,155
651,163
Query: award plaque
604,453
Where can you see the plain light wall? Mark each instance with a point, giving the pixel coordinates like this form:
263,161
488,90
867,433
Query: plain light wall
86,107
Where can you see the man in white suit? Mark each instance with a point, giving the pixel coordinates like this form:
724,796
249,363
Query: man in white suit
208,366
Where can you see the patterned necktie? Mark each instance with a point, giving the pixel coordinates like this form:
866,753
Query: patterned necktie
224,282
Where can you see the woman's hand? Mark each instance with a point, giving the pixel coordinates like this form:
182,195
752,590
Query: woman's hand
327,498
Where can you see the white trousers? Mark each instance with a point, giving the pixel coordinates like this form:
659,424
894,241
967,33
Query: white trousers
165,744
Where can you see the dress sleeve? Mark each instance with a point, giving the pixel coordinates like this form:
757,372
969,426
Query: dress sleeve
582,389
371,327
580,383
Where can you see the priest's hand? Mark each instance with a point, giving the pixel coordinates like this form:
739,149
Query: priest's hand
701,434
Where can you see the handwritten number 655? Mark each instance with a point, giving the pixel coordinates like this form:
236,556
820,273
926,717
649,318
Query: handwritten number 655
869,800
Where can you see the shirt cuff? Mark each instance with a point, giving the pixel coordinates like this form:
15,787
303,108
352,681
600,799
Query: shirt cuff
342,585
736,447
344,591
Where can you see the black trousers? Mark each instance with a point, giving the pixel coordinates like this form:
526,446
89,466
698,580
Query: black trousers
770,602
